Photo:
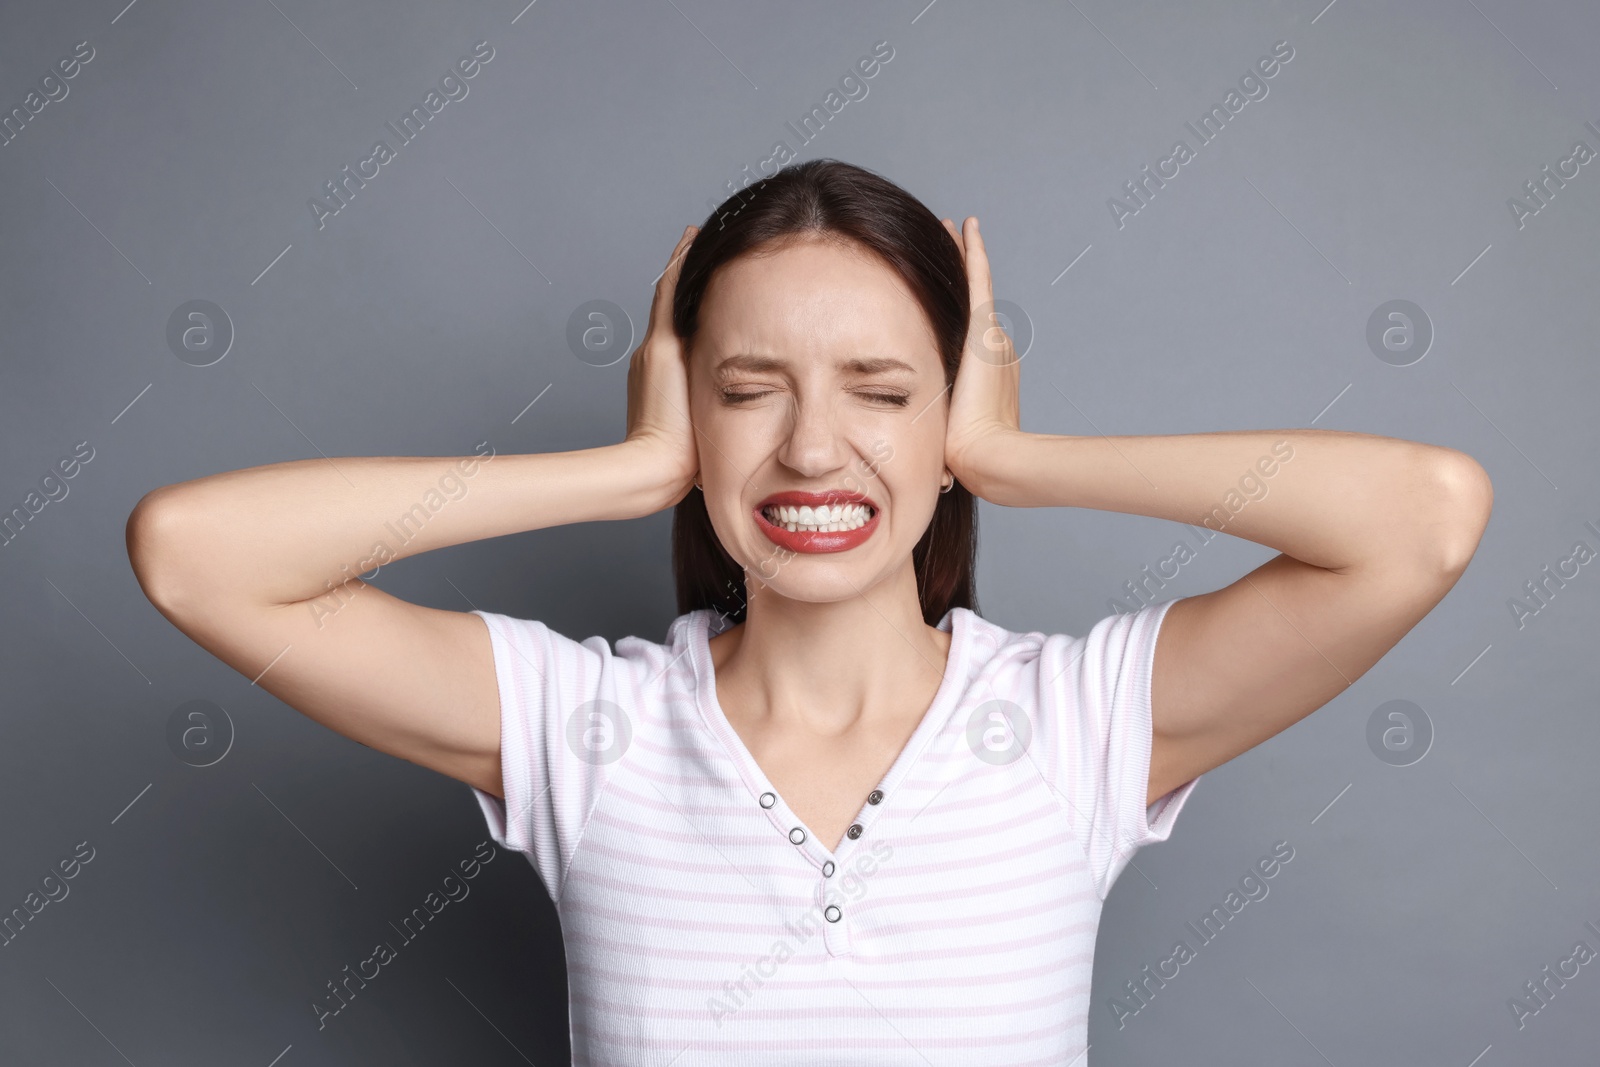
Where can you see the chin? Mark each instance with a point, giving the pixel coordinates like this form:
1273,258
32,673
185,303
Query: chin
810,579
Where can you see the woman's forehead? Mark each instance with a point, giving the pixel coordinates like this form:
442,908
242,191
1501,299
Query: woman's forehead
812,301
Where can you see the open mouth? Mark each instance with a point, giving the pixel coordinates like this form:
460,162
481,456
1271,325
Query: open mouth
811,522
822,518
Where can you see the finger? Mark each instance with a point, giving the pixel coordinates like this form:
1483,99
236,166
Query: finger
978,265
993,341
679,250
980,292
667,281
955,235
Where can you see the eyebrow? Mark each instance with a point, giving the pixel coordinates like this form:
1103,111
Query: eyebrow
856,364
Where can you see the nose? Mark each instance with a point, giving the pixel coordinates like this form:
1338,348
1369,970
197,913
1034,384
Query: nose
813,446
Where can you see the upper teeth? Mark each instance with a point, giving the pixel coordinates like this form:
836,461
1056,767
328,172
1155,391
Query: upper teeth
837,517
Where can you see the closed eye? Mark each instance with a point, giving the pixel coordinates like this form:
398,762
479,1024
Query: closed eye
897,399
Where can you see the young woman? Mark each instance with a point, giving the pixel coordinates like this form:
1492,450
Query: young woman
836,816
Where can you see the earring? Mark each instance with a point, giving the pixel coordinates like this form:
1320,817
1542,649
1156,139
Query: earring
697,483
949,483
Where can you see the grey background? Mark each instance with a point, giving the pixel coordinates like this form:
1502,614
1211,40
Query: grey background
427,314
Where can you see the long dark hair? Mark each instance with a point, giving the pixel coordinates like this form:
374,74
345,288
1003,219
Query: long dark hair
836,200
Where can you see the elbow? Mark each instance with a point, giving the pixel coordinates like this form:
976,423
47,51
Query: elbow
1465,499
151,536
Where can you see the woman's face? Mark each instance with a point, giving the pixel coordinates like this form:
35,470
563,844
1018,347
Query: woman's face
814,371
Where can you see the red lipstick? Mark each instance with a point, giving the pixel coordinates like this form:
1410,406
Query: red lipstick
814,541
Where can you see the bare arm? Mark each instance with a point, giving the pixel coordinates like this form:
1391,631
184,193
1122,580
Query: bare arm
1372,533
260,566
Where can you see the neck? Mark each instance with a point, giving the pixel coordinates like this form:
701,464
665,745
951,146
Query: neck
828,666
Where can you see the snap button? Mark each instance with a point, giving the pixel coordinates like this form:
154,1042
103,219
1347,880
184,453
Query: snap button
827,869
854,831
875,797
797,835
767,800
832,913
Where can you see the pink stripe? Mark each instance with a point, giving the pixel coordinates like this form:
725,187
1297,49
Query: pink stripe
646,891
1074,931
689,836
817,1041
967,922
775,928
933,896
951,981
858,1010
972,859
730,959
643,769
935,836
716,866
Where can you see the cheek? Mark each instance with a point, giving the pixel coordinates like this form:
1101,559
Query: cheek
735,443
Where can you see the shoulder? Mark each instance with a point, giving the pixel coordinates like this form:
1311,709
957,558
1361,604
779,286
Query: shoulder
978,641
533,642
1106,644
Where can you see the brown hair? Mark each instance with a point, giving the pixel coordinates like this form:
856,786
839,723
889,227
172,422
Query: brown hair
835,200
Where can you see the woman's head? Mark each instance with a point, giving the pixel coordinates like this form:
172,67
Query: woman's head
823,312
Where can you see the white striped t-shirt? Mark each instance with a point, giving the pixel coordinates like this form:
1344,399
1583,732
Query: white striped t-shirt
705,924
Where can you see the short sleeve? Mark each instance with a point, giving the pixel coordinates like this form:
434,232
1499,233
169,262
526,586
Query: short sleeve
562,728
1095,700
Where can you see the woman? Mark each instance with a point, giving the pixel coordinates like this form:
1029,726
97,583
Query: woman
836,816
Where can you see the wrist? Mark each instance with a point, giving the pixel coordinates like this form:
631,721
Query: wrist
654,480
985,466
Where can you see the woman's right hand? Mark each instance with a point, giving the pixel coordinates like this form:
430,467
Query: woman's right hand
658,388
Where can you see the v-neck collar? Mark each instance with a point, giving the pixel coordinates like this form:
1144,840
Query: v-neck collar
957,622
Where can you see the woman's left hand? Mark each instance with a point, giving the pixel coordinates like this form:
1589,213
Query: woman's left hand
985,404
